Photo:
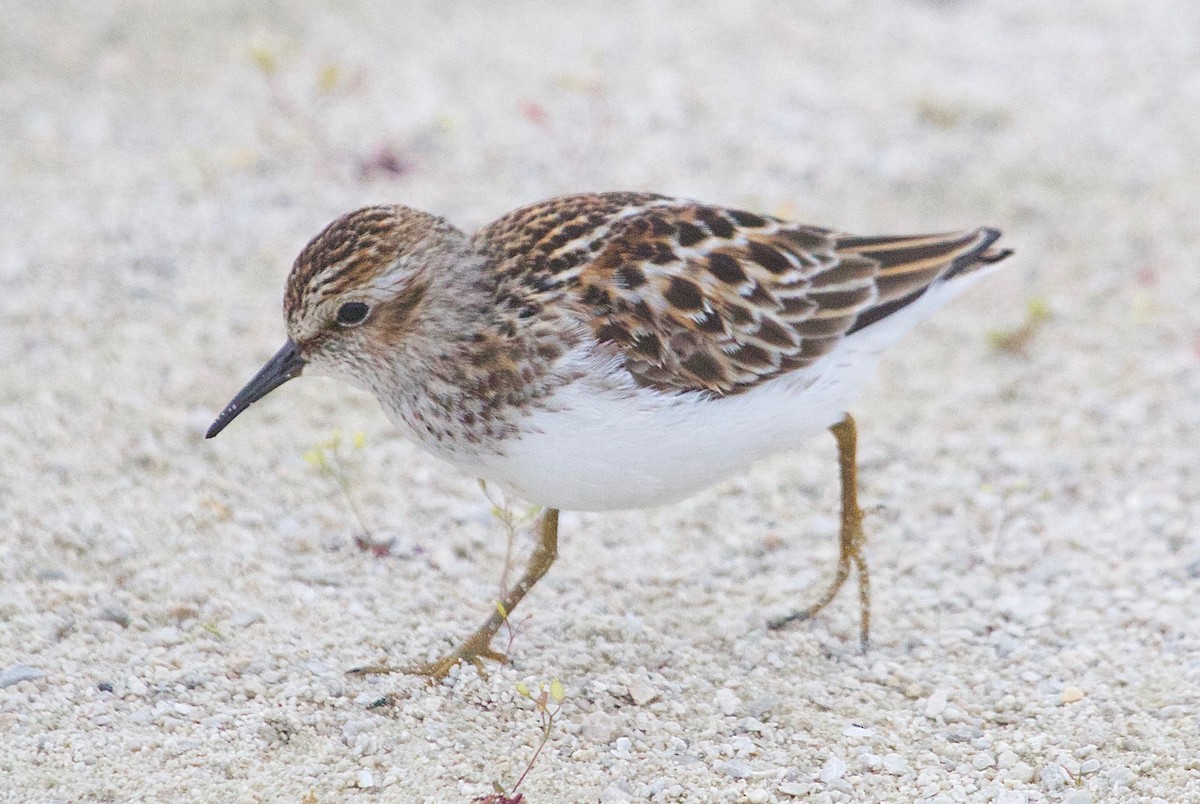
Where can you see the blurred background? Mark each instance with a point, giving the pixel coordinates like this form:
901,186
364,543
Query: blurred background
1030,454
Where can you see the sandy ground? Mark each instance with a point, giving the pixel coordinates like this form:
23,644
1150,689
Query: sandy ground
176,615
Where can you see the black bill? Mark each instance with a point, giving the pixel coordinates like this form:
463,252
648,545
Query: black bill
285,365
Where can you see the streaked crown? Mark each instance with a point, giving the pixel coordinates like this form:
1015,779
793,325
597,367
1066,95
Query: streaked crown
369,256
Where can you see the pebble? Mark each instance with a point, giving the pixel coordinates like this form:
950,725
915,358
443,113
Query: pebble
983,760
1021,772
955,714
1119,776
726,701
735,768
817,694
935,704
742,745
116,613
246,618
1077,797
752,724
642,693
832,770
654,788
796,789
1053,777
1072,694
598,727
761,705
352,728
622,745
366,779
894,763
870,761
18,673
757,796
366,699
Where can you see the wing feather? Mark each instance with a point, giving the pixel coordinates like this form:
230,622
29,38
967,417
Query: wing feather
698,297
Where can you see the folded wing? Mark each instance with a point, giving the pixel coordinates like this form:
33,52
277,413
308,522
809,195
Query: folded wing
698,297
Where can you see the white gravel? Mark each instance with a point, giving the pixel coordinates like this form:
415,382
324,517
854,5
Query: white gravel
176,615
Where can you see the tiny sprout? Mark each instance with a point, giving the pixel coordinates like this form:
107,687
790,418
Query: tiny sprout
1038,308
328,78
546,714
1037,312
264,59
502,511
328,457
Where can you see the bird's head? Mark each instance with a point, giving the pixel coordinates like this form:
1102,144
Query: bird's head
354,294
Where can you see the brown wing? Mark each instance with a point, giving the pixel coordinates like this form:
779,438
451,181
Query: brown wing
704,298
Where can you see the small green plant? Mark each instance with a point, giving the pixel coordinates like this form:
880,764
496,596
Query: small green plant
547,703
502,509
309,112
212,628
267,58
330,458
510,628
1015,341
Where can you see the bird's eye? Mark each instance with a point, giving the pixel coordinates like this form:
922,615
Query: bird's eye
352,313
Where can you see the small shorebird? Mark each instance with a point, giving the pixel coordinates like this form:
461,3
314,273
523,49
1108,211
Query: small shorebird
612,350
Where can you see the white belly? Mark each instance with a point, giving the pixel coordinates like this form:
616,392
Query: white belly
598,451
595,448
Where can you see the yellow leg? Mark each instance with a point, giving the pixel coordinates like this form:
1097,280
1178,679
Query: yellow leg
852,537
478,646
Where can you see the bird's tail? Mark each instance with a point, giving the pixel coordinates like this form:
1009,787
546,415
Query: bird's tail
909,265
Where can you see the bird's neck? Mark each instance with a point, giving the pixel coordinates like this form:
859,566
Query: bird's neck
471,366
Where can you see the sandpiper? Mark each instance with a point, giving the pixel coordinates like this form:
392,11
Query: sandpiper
611,350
